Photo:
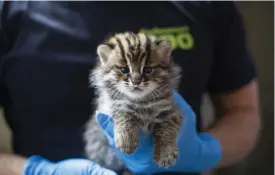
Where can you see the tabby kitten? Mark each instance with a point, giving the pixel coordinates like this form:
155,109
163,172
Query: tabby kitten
134,80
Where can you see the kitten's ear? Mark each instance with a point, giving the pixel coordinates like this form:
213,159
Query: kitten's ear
164,49
104,51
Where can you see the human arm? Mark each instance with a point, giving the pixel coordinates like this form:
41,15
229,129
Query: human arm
239,126
233,88
11,164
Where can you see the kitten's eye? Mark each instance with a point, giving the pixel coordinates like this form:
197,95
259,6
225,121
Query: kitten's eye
124,70
147,70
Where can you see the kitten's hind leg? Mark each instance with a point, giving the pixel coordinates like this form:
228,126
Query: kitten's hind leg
97,148
126,133
165,141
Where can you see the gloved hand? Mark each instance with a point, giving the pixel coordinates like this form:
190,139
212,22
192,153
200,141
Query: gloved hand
37,165
197,152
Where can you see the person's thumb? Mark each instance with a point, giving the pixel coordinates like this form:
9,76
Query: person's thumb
106,123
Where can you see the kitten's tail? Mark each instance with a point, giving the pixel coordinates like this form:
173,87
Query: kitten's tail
97,148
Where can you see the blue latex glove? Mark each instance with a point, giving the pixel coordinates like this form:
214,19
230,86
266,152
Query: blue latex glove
198,152
37,165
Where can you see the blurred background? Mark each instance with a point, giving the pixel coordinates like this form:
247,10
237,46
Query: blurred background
259,21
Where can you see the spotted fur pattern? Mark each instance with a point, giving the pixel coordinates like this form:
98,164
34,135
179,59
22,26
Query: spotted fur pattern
134,80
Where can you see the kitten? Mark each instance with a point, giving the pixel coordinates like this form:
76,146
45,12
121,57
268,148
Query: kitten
134,80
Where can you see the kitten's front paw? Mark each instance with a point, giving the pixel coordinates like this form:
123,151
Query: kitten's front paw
127,142
165,154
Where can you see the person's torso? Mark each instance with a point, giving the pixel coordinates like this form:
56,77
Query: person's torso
46,70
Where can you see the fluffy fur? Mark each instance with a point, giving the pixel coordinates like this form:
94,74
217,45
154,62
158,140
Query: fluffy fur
134,80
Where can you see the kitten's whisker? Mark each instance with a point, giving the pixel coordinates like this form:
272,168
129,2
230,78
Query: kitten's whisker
156,94
117,94
112,92
159,92
153,95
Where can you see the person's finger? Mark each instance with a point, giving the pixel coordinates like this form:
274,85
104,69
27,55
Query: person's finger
98,170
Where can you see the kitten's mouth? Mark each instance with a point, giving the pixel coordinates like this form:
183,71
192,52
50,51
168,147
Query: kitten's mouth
135,88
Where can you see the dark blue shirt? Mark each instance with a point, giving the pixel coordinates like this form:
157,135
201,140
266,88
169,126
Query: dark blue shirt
48,48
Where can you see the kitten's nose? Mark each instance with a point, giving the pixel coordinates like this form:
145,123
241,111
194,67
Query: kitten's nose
136,79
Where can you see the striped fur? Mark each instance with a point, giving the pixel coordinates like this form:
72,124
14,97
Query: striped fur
140,99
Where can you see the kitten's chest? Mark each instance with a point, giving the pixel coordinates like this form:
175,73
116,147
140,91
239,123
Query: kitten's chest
146,122
146,118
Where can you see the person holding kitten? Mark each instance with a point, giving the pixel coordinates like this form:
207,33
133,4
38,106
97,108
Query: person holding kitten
47,52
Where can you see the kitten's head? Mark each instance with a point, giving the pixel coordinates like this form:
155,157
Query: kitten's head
136,65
